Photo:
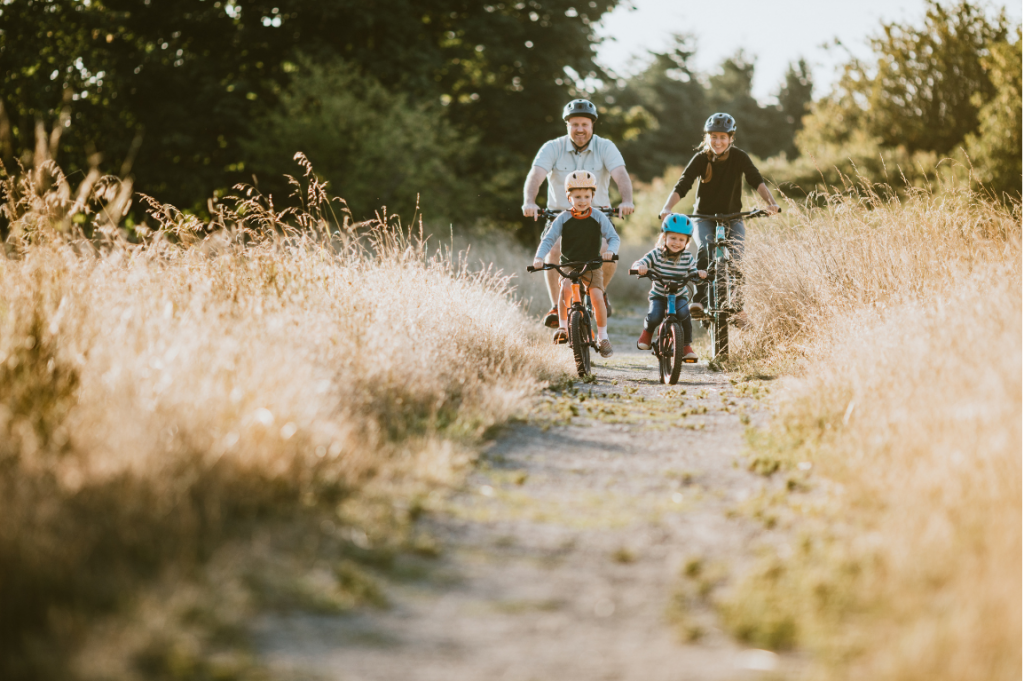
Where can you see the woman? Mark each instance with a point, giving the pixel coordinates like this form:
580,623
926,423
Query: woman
721,168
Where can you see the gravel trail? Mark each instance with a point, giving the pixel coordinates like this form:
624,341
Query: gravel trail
589,543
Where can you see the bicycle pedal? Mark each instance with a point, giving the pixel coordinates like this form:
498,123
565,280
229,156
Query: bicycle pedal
689,361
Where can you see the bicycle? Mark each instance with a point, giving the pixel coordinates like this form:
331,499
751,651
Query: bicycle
581,332
722,282
549,214
668,343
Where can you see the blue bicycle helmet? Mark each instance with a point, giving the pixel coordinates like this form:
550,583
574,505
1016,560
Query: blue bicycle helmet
680,224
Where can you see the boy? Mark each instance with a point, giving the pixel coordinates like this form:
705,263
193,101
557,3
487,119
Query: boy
581,231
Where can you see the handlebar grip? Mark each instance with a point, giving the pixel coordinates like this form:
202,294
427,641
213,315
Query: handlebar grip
615,257
634,271
530,268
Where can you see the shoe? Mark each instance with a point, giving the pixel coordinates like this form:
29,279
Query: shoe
605,348
689,356
697,311
644,342
607,305
551,320
740,320
561,337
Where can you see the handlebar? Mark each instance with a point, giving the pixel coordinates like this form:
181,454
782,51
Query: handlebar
650,274
585,264
754,213
552,213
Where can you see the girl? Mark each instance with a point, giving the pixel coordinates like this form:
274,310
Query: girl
669,258
721,168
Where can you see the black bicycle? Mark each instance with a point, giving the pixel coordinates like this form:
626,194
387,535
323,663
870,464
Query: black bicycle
581,332
668,343
723,297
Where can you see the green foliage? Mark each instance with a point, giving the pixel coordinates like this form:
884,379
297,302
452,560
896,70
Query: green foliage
677,100
995,148
927,83
185,79
375,147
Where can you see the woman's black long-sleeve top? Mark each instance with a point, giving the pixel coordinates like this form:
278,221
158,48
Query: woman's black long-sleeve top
721,193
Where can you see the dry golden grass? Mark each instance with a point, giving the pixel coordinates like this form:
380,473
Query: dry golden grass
902,322
160,396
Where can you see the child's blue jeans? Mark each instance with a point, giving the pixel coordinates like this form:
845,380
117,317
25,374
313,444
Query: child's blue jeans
659,307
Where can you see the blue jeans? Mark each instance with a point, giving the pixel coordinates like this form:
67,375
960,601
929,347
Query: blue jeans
659,307
735,234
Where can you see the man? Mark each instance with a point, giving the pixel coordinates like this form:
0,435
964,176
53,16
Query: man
580,149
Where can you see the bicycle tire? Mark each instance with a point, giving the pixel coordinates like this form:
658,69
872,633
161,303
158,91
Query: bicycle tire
720,317
671,355
579,342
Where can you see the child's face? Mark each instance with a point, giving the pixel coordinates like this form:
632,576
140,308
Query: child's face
581,198
676,242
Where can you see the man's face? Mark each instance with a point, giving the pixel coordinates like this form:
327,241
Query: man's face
581,129
580,199
719,141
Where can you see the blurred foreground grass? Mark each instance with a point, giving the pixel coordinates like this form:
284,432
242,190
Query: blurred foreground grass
900,320
225,416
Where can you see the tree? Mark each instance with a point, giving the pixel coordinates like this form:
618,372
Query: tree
995,149
927,83
795,101
190,76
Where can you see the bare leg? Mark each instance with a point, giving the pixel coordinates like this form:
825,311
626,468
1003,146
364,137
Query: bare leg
552,275
597,301
563,308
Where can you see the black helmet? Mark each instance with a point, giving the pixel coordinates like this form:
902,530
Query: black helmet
579,107
720,122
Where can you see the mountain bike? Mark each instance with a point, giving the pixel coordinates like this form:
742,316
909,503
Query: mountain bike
582,336
722,282
668,343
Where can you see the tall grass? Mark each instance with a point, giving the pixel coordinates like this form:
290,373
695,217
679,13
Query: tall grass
902,321
165,388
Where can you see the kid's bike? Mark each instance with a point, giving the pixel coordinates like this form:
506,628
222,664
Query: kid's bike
667,344
581,332
723,287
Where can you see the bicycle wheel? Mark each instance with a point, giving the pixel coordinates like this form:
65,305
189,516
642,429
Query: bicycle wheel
580,343
670,353
721,288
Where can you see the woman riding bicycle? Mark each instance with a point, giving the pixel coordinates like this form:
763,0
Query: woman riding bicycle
721,168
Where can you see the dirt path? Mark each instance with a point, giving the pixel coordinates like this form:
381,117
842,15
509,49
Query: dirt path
585,546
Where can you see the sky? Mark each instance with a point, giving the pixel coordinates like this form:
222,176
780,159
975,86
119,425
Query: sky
775,32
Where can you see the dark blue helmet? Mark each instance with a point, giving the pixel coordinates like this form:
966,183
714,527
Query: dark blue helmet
720,122
579,107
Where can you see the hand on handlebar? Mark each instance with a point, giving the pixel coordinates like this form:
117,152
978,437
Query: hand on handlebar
608,256
538,263
626,208
638,267
530,210
773,209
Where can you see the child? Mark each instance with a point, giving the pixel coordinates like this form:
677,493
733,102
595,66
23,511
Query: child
669,258
721,168
581,231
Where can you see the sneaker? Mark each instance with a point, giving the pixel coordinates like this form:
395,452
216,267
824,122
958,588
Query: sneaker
740,320
697,311
561,337
551,320
644,342
689,356
605,348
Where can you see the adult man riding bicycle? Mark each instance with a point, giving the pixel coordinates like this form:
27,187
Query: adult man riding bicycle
580,149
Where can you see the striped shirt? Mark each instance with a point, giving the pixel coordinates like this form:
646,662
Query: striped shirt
669,267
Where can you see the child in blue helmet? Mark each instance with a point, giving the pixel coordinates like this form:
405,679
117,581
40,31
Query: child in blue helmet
669,258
